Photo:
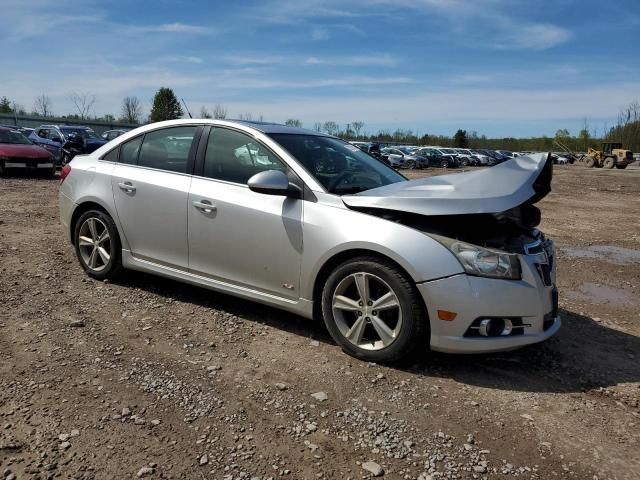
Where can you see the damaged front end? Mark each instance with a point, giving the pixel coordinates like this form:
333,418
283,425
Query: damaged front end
492,208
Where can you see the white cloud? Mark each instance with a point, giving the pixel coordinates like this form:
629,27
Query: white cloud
170,28
540,36
320,34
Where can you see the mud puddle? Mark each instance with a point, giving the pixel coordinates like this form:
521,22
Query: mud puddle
608,253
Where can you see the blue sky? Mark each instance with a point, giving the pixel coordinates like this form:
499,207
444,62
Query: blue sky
499,67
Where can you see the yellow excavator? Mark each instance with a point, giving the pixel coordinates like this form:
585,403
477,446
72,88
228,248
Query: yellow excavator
611,155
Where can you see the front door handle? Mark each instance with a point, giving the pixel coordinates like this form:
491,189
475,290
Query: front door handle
127,187
205,206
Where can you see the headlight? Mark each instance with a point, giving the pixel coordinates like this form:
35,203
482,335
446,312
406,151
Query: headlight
482,261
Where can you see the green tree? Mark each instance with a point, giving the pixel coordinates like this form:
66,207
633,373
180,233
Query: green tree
165,106
460,139
5,105
292,122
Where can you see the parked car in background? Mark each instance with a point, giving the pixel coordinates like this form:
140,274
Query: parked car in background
17,151
54,137
395,157
437,158
392,266
111,134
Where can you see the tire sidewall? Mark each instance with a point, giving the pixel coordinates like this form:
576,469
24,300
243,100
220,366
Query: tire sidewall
409,338
114,264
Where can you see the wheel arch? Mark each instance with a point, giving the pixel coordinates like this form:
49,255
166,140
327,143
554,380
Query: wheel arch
332,262
85,207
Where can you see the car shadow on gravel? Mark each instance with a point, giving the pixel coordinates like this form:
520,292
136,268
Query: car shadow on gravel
583,355
245,309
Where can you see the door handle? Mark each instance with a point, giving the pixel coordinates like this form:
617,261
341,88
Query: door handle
205,206
127,187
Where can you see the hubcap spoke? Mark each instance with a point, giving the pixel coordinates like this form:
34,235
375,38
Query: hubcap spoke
356,331
85,242
385,302
362,284
344,303
104,236
104,255
384,332
92,228
93,258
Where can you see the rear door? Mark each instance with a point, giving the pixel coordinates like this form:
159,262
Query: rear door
150,186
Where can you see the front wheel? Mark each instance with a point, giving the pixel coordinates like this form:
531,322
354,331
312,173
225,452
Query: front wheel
98,245
373,310
444,164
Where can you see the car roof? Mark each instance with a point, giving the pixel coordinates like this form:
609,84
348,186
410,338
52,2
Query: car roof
270,127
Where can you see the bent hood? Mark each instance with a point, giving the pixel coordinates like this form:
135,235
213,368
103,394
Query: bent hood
525,179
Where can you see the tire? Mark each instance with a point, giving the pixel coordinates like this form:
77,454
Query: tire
406,323
92,258
589,162
621,167
464,162
609,162
444,163
411,165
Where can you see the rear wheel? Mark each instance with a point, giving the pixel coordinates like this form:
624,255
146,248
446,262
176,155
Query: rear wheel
444,163
374,311
609,162
98,245
589,161
464,162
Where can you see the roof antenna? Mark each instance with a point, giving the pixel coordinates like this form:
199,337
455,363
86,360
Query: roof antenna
187,108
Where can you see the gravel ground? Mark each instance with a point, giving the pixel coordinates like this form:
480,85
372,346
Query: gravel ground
151,378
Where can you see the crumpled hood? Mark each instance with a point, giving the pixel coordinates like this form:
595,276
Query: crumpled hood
491,190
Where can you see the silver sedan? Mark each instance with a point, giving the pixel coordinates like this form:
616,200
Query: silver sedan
310,224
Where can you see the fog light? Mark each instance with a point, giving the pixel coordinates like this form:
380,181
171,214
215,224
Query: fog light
495,327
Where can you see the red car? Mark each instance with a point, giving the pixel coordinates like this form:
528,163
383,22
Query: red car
17,151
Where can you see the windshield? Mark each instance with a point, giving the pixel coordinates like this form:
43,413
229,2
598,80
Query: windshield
340,167
13,137
86,132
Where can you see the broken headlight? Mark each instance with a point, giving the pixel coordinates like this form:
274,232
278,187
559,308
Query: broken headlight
482,261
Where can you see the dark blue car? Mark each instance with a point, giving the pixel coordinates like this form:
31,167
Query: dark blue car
54,137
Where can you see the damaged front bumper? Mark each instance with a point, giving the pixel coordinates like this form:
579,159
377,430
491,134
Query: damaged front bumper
529,305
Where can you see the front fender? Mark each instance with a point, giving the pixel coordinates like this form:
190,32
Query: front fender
331,230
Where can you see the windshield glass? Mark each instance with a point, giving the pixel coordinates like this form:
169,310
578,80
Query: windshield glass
340,167
13,137
86,132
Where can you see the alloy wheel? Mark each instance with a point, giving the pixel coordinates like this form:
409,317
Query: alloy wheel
367,311
94,244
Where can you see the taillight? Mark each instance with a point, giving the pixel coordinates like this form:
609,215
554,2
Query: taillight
66,170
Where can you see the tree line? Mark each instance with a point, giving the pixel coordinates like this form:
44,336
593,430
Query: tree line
166,106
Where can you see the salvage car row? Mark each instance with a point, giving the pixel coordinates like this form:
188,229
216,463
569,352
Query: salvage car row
47,147
413,157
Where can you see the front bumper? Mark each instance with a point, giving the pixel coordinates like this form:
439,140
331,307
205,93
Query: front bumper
530,299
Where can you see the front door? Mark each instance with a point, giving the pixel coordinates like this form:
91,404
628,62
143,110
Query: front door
248,239
150,187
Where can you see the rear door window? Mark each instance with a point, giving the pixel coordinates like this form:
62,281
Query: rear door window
129,151
167,148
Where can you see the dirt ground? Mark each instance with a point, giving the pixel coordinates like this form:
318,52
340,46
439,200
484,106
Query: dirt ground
151,378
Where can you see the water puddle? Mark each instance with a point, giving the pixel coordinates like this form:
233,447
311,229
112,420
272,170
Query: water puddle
608,253
601,294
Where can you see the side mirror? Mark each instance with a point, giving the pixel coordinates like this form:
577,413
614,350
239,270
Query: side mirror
274,182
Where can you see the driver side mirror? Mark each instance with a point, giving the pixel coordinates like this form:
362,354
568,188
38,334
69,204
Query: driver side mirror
274,182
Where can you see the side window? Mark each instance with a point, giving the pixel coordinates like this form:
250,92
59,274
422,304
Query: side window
129,151
43,132
167,149
236,157
112,156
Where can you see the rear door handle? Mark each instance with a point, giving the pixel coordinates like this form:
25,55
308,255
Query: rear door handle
127,187
205,206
